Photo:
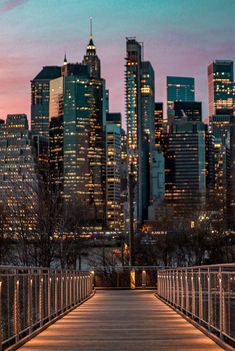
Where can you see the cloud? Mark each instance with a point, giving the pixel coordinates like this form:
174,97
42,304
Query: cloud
9,5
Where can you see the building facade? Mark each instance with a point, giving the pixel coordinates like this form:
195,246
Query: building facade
113,171
18,180
221,87
40,97
186,166
179,89
134,122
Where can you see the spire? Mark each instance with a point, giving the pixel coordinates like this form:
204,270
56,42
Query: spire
91,44
65,59
90,27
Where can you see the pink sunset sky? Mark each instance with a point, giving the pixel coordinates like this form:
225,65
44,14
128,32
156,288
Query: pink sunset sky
180,38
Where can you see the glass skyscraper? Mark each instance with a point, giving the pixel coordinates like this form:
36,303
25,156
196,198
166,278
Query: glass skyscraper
113,171
18,180
134,121
179,89
40,96
158,123
185,166
221,87
140,91
77,112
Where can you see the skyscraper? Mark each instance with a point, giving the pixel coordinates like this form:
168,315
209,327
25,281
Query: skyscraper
231,198
147,115
147,97
78,105
179,89
18,181
134,121
221,87
91,59
188,110
40,95
158,123
186,166
84,141
113,171
221,94
56,131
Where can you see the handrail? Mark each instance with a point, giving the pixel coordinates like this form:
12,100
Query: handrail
30,297
222,265
205,294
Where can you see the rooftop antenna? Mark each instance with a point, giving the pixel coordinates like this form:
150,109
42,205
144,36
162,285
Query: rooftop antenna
90,27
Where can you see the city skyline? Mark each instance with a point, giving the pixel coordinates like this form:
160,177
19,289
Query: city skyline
171,44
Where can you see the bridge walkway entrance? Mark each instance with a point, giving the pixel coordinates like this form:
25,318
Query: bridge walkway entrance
121,320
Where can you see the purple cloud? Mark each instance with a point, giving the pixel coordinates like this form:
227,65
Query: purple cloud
11,4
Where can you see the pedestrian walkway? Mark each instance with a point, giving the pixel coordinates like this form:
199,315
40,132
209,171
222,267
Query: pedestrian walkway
122,320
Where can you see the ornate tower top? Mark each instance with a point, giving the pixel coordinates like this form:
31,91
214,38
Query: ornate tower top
91,59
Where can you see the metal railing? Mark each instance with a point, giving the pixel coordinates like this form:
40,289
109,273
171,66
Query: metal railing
126,277
205,294
31,297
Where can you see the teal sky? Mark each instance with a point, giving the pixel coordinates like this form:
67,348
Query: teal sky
180,38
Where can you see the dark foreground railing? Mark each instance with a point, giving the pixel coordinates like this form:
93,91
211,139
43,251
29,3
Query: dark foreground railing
205,294
32,297
126,277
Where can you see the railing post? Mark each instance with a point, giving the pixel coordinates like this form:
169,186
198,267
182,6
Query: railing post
66,289
209,299
143,279
193,293
48,294
70,288
30,287
221,297
1,329
56,293
62,284
132,278
74,289
200,297
84,286
171,287
16,306
86,278
80,287
186,293
181,290
177,288
40,298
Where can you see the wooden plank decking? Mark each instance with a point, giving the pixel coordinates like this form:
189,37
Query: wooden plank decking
122,320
